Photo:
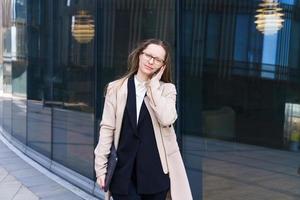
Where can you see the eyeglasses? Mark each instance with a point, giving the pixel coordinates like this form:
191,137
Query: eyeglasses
157,61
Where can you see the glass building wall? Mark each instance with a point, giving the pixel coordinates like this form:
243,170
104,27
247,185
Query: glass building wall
238,100
19,62
238,89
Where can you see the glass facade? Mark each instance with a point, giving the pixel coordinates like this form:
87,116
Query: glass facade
238,88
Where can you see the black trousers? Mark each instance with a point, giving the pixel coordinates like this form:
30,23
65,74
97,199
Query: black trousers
133,195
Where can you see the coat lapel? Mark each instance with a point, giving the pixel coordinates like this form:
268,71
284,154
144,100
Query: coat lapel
120,108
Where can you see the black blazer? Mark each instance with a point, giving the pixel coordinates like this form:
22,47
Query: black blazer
137,152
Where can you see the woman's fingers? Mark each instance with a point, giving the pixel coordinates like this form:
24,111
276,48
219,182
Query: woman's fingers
160,73
101,182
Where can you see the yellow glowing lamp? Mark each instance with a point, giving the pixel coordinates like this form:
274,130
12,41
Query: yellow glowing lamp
269,18
83,28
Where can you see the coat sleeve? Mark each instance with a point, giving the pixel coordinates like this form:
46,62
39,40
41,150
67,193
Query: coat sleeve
107,128
163,101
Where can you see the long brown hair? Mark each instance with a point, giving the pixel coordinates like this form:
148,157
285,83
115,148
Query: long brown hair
133,59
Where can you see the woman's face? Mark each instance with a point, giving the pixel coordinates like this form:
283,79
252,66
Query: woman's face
151,59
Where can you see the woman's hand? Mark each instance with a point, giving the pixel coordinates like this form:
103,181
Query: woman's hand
159,74
101,182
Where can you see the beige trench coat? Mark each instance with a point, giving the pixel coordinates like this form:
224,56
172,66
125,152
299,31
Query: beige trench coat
160,102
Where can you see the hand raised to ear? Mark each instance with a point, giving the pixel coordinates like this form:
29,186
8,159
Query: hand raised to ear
159,74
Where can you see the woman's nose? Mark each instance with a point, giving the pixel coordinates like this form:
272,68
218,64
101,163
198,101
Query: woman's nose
151,60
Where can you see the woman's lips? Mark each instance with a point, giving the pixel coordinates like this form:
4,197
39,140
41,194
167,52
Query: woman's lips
148,67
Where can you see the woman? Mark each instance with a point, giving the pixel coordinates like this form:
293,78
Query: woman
138,116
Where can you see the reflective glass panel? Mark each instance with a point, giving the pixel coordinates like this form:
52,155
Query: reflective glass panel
240,98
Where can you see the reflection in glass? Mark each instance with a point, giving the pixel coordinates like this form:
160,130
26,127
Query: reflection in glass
7,87
73,141
72,81
219,123
19,113
235,85
39,81
73,62
83,29
292,126
39,121
19,59
269,18
7,114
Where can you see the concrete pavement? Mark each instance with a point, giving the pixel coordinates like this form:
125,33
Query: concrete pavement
19,180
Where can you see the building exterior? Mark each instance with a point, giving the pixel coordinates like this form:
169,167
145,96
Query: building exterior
238,88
